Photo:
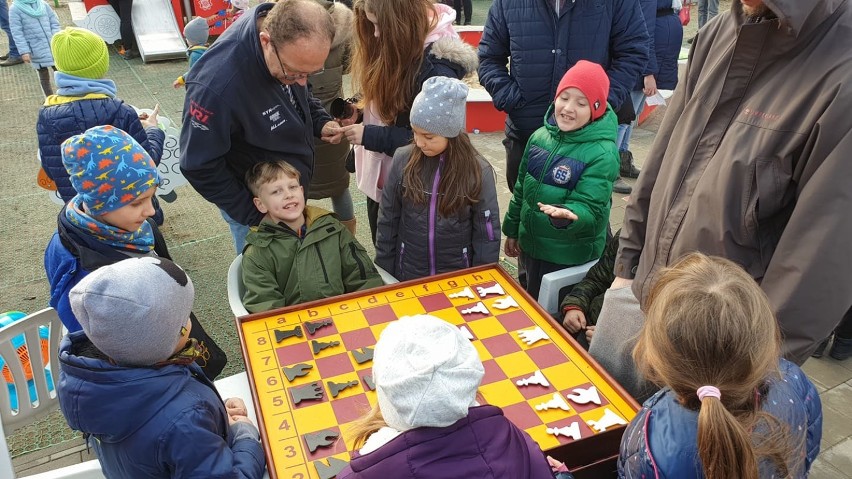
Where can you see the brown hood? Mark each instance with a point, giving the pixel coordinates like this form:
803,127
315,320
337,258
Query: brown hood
343,18
798,16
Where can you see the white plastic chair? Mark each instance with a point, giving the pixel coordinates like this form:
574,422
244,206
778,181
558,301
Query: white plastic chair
552,283
236,288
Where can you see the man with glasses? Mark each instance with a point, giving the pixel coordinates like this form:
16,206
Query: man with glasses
248,101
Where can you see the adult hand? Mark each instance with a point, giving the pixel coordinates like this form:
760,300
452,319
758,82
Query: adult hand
621,283
331,133
557,212
574,321
590,331
236,407
354,133
26,58
351,119
512,249
149,120
650,86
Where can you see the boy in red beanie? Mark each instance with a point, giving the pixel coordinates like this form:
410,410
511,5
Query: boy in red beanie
559,211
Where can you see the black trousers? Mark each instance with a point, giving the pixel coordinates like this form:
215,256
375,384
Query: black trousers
373,217
515,143
844,329
468,10
123,9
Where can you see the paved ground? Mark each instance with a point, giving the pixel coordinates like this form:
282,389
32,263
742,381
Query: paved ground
200,242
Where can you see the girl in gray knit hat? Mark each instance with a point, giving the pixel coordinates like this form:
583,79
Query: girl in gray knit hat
439,209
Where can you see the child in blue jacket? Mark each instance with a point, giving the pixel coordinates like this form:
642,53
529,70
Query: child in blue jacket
33,23
129,380
196,33
730,405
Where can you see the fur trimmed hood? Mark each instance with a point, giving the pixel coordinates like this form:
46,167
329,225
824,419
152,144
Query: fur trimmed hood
456,51
343,22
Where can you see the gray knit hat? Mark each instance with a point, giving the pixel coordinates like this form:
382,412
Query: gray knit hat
196,31
133,310
426,373
439,108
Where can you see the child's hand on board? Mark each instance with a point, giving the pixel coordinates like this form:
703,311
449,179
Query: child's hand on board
512,249
574,321
557,212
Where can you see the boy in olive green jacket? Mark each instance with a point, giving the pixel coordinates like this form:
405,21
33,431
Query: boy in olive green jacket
297,253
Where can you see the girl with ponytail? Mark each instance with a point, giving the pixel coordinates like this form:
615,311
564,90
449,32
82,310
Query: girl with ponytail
730,406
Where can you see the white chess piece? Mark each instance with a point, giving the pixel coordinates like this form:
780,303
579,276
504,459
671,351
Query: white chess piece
537,378
572,431
505,303
465,293
608,420
556,402
466,333
530,336
479,308
585,396
496,289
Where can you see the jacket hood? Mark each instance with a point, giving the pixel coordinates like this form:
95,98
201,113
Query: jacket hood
604,128
96,396
342,17
798,16
456,51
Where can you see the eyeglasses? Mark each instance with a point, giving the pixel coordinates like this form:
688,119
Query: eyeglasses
292,76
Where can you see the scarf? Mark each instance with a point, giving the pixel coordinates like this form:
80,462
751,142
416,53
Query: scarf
70,85
194,352
139,241
33,8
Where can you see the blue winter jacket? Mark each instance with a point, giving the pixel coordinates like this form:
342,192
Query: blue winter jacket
32,34
665,39
147,422
660,442
540,47
56,123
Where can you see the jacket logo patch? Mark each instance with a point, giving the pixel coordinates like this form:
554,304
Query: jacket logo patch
199,113
561,174
274,116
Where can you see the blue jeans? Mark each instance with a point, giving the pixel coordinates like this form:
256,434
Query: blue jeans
4,24
624,131
238,231
707,9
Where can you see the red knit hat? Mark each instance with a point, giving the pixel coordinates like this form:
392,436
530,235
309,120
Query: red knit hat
590,78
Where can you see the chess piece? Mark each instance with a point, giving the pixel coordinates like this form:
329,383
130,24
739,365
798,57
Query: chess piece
282,334
466,332
505,303
572,431
556,402
479,308
314,326
608,420
335,388
537,378
318,346
331,470
297,371
308,392
496,289
368,381
585,396
318,439
465,293
362,356
530,336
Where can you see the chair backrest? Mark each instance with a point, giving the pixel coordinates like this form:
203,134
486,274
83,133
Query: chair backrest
33,375
552,283
236,288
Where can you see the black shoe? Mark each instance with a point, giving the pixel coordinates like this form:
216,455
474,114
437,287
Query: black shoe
467,22
4,57
130,54
820,350
11,61
628,169
621,187
841,349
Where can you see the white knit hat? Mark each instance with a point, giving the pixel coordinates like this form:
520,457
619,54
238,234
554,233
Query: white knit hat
426,373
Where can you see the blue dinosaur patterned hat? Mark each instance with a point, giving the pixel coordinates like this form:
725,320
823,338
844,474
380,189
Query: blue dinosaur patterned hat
108,168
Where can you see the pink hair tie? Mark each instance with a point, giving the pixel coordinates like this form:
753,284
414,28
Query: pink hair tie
708,391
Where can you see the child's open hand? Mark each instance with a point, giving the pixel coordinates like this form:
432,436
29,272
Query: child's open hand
512,249
557,212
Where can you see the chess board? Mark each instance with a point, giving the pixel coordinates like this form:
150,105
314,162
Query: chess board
309,370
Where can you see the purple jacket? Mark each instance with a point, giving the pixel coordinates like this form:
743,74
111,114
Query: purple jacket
482,445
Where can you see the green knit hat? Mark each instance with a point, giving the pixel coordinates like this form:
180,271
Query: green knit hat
81,53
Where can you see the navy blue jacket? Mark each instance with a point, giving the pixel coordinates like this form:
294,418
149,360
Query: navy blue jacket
147,422
667,38
237,114
661,441
57,123
540,48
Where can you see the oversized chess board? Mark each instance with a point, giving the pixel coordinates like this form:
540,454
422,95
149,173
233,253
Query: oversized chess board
309,370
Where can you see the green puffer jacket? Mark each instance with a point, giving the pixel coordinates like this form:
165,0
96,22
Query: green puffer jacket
573,169
281,269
